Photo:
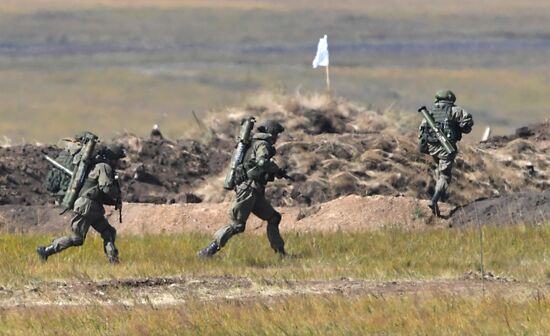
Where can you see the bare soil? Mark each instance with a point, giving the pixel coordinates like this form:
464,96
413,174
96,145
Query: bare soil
349,213
179,290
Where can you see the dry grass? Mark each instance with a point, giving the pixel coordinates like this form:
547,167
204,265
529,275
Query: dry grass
327,315
519,252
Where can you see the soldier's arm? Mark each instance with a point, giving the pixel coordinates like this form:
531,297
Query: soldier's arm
464,119
422,127
107,184
263,159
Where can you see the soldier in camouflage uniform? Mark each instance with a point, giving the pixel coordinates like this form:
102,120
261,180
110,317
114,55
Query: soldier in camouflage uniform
257,169
100,188
453,121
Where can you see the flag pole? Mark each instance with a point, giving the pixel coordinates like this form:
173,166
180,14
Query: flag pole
328,80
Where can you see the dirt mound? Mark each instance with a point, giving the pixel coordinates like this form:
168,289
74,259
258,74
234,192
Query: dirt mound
332,148
518,208
535,132
350,213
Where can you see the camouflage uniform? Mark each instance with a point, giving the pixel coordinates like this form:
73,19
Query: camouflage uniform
99,188
250,195
458,121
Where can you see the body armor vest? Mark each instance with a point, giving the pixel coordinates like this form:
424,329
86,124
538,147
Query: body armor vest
442,116
249,164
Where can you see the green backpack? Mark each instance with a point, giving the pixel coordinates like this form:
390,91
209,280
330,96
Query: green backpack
57,182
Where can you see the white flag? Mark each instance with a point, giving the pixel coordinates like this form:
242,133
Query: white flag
321,58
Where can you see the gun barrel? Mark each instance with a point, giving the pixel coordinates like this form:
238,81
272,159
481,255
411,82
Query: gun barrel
59,166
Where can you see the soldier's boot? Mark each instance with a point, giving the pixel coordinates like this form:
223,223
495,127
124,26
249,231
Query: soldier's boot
209,251
45,251
111,252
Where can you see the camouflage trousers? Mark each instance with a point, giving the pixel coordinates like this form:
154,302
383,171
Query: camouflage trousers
251,200
444,166
88,213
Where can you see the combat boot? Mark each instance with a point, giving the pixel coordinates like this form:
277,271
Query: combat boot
209,251
44,252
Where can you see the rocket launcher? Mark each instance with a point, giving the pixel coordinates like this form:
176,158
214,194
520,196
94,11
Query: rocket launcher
438,133
243,142
80,172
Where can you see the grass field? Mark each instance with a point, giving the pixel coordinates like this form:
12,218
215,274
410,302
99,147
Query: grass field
326,315
110,66
519,254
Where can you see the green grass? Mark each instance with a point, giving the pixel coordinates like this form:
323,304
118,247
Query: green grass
326,315
518,252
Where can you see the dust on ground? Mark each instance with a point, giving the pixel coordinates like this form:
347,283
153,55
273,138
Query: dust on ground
158,292
332,148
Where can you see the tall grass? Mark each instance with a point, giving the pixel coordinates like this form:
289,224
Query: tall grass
519,252
326,315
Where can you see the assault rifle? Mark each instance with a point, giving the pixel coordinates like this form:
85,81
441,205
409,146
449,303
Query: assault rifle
118,205
59,166
438,133
282,174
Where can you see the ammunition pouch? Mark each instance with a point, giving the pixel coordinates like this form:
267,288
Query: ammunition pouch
240,174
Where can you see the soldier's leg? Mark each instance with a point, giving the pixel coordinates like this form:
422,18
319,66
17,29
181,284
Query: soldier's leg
79,229
443,173
264,210
108,234
444,170
238,214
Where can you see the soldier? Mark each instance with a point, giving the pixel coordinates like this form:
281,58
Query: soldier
100,187
250,191
452,120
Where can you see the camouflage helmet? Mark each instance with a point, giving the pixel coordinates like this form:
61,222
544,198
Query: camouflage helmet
446,95
271,126
84,135
112,151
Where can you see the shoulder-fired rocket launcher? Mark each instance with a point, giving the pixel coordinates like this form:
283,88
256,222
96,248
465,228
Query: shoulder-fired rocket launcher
80,172
243,142
438,133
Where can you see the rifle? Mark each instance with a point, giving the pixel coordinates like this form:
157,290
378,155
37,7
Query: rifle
118,205
438,133
59,166
284,175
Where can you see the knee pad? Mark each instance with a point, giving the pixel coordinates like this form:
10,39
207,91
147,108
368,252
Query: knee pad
274,220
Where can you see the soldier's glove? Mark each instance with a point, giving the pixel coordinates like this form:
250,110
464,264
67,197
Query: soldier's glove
281,173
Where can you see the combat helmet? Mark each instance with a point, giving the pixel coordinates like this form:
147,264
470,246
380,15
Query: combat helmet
445,95
271,126
112,152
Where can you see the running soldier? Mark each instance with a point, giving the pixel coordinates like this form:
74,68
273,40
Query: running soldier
256,171
451,121
100,188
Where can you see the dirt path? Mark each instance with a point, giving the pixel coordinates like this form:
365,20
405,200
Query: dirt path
179,290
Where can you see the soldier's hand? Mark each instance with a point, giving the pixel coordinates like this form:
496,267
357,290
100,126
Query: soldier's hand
281,173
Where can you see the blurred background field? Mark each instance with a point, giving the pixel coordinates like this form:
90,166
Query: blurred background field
111,66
